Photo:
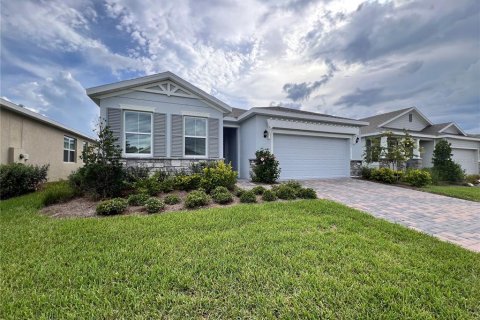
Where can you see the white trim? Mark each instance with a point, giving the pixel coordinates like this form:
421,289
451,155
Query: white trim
228,125
309,126
230,119
456,126
311,134
404,113
196,114
466,148
33,115
95,93
419,135
291,115
137,155
200,137
70,150
127,107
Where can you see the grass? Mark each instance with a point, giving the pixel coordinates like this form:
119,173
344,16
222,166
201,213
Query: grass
303,259
462,192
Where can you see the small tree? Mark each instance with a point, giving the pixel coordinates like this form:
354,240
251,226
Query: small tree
103,174
266,167
443,165
398,150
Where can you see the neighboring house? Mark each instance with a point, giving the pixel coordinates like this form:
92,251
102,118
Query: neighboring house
28,137
165,122
465,148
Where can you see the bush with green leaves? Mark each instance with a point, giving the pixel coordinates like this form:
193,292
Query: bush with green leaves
366,172
136,173
17,179
269,195
172,199
295,185
285,192
219,189
103,175
307,193
196,198
167,185
473,179
154,205
222,197
248,197
149,185
138,199
443,164
258,190
417,178
220,174
237,191
266,168
112,207
187,182
386,175
57,192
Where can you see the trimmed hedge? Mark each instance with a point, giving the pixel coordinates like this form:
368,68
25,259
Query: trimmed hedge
269,195
196,199
172,199
307,193
18,178
418,178
248,197
154,205
138,199
112,207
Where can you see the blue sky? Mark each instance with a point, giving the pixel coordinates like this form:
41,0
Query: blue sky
346,58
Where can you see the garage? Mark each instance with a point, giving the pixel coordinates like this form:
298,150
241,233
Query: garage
467,158
310,157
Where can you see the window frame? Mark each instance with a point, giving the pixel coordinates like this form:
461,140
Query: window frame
410,117
190,136
125,132
74,160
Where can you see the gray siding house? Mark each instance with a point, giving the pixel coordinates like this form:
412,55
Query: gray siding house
164,122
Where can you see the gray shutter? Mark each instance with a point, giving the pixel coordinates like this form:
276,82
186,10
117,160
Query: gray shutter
213,129
159,135
114,122
177,135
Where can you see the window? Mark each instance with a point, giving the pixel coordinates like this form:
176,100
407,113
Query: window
410,117
138,133
69,147
195,136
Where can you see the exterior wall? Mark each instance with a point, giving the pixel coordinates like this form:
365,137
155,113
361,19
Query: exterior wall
451,130
358,149
427,154
403,122
168,165
42,143
152,102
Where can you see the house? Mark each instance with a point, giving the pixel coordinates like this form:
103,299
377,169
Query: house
465,148
164,122
28,137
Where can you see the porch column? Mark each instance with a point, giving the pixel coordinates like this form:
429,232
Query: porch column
416,149
384,146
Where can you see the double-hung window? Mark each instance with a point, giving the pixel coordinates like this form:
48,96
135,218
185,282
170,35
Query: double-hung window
138,133
195,136
69,147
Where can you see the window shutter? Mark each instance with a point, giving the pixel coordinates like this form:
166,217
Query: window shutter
159,135
177,135
213,129
114,122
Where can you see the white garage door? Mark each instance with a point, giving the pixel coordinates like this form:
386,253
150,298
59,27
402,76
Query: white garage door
307,157
468,159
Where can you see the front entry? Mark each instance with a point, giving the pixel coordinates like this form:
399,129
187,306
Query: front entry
230,146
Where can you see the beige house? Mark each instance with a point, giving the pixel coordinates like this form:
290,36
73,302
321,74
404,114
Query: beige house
28,137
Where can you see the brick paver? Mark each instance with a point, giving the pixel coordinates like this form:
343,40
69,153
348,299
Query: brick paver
449,219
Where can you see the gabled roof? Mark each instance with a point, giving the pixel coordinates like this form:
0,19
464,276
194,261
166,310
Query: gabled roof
95,93
379,119
453,124
38,117
435,129
283,112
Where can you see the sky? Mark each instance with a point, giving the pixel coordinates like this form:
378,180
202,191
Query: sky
345,58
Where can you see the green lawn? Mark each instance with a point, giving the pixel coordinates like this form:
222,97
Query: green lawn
305,259
467,193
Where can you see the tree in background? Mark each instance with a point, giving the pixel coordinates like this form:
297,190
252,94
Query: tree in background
397,151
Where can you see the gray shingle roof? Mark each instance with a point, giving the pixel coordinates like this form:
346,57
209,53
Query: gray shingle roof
433,129
236,112
296,111
378,119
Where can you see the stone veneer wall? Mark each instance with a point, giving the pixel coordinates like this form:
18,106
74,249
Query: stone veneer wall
166,164
355,168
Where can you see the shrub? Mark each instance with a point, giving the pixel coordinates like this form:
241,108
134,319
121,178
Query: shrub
266,168
473,179
187,182
111,207
196,199
137,199
366,172
443,164
386,175
248,197
238,191
172,199
295,185
285,192
220,174
417,178
134,174
222,197
219,190
58,192
154,205
307,193
258,190
269,195
17,179
167,185
161,176
148,185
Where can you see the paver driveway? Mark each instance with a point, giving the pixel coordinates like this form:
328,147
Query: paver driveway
447,218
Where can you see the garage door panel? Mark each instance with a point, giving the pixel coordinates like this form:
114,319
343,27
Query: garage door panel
306,157
467,158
